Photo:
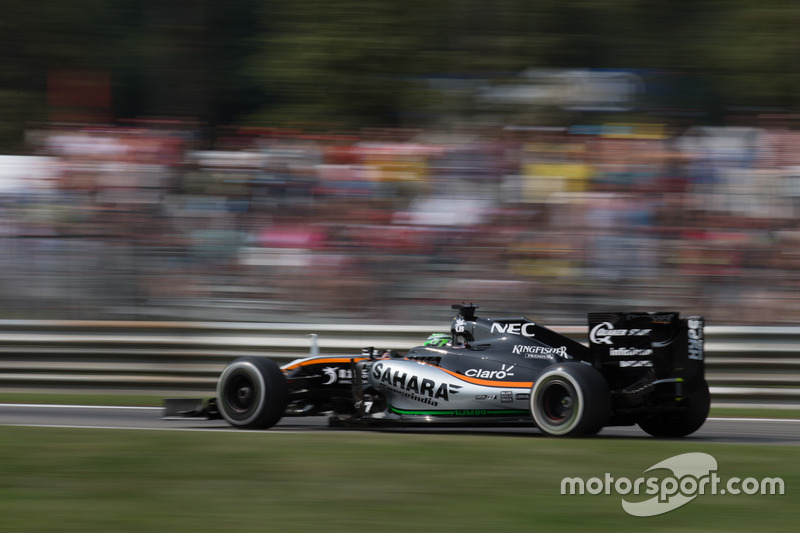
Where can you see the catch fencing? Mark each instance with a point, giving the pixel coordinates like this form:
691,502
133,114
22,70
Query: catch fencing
745,365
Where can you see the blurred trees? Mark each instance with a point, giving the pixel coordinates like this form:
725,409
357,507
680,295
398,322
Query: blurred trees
362,62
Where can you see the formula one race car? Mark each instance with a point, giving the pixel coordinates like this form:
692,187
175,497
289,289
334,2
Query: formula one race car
639,368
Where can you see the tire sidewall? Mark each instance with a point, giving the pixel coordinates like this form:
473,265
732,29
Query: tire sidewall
549,379
268,393
591,399
671,426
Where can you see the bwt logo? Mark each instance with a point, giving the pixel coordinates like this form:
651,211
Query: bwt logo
693,474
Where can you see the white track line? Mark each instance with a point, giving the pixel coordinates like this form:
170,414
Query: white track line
230,430
56,406
143,408
735,419
123,407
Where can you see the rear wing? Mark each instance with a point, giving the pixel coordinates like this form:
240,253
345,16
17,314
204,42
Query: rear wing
671,345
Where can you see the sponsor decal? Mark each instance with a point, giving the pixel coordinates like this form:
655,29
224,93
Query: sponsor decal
340,375
603,333
662,318
459,325
684,477
522,396
515,328
330,375
532,352
506,396
486,396
630,352
469,412
503,373
635,364
422,390
463,412
654,318
695,339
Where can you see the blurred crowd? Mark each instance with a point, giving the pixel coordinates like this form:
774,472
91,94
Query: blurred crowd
173,221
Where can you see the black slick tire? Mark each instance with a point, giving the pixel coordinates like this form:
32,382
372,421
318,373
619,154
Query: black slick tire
683,424
570,400
252,393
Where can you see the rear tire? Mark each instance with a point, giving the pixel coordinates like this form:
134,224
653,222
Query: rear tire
686,423
569,400
252,393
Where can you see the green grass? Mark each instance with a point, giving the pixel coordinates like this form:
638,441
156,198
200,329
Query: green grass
113,480
142,400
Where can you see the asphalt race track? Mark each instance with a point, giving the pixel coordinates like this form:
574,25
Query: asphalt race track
729,430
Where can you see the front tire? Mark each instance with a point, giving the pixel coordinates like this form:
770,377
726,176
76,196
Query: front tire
569,400
252,393
686,423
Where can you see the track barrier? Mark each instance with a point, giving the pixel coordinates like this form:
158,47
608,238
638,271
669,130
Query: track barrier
758,366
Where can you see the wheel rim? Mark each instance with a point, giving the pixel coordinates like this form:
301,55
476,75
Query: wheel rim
240,394
558,402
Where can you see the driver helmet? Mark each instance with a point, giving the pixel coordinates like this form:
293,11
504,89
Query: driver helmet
438,339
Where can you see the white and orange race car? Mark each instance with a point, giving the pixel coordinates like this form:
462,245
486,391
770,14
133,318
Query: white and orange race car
644,368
